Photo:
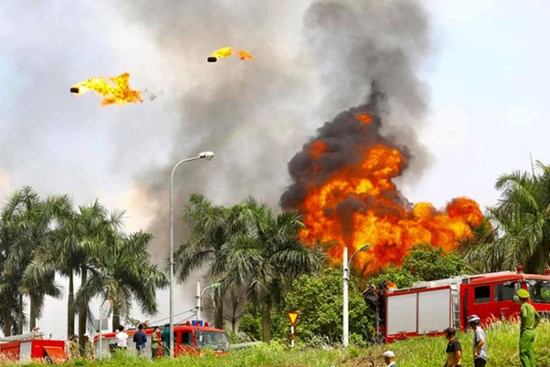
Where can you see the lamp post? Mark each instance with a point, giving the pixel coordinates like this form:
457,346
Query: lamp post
346,264
200,296
203,155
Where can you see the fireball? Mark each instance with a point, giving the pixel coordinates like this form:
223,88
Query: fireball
113,89
344,185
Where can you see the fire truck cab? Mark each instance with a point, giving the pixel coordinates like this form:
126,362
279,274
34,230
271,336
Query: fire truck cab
189,338
428,308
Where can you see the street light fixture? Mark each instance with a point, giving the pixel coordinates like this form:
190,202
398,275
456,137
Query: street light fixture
346,265
200,296
202,155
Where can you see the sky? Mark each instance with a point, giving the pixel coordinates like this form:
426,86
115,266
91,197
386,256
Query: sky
483,77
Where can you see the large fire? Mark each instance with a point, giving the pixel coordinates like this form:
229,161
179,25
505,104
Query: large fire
343,185
113,89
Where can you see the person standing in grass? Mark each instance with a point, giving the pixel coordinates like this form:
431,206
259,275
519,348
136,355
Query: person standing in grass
74,348
121,338
480,343
454,349
389,358
140,338
88,348
155,343
529,321
165,336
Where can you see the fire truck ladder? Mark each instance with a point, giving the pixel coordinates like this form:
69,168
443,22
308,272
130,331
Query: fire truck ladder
21,337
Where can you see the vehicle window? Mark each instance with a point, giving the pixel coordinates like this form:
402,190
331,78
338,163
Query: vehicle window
505,292
213,339
539,290
482,294
186,338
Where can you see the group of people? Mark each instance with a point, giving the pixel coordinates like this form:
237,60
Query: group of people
73,348
140,338
529,321
160,340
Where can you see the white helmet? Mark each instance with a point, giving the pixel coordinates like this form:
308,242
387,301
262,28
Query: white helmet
473,319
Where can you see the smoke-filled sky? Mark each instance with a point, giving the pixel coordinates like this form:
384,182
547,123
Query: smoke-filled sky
466,83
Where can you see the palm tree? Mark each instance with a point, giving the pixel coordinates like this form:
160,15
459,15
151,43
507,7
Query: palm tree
93,227
269,257
39,277
25,230
65,253
522,217
120,271
211,229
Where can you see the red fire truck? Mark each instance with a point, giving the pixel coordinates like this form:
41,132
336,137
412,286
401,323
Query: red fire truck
28,348
429,307
189,338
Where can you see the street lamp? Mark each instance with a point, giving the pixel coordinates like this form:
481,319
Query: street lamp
346,264
203,155
199,297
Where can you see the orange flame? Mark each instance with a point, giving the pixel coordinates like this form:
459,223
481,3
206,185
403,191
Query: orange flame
364,118
113,89
228,51
360,204
245,55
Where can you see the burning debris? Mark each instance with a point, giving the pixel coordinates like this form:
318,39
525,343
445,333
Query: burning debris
113,89
228,51
245,55
343,185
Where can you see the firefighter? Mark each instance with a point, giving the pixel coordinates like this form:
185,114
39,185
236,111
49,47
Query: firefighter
156,343
88,348
480,342
74,348
529,321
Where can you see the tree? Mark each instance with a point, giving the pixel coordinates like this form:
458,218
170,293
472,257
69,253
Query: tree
121,271
25,230
93,225
319,300
39,277
65,253
522,219
268,257
211,229
425,262
234,306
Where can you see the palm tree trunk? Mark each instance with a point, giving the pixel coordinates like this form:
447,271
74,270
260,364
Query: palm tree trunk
70,308
235,304
82,314
7,318
32,312
20,317
266,322
7,328
116,320
218,317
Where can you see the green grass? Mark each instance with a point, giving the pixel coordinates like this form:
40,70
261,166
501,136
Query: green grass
416,352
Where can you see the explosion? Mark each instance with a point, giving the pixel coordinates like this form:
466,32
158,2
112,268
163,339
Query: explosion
343,186
228,51
113,89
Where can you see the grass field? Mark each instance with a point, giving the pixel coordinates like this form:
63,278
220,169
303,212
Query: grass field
416,352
